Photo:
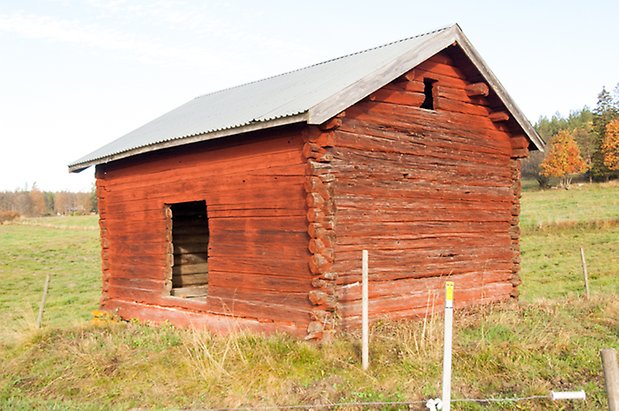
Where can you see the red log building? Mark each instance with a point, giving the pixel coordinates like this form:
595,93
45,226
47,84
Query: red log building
250,206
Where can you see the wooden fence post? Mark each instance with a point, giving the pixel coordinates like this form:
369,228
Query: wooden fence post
584,271
611,377
42,306
365,328
447,345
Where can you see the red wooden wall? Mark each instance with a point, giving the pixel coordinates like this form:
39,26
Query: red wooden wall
432,194
253,187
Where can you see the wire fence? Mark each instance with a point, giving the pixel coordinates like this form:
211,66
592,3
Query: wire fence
429,404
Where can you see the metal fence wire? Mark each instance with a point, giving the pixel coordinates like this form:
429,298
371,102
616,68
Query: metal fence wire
400,405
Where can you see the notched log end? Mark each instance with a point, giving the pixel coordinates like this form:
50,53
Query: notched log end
319,263
321,298
314,200
499,116
315,330
331,124
514,293
477,89
520,152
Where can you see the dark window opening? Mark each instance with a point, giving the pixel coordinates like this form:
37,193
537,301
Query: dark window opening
190,236
428,91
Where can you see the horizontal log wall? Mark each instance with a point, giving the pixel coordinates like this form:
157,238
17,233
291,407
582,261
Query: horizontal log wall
430,193
253,186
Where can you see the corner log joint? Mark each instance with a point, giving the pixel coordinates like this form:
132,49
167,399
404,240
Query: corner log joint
321,227
514,230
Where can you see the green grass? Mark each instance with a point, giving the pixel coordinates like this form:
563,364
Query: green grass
583,204
555,224
89,222
27,254
500,351
552,268
549,340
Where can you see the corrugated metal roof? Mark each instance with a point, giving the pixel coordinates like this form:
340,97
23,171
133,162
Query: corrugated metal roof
312,94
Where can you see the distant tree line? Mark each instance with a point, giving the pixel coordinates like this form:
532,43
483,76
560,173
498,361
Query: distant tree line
586,143
33,202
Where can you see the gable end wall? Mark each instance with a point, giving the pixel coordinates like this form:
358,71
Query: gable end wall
432,194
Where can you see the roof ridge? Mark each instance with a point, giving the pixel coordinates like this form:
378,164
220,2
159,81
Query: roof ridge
326,61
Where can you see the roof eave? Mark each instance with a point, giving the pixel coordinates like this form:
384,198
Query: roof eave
498,88
349,96
255,126
355,92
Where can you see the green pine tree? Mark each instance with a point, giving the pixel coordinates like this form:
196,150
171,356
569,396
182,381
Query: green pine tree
605,110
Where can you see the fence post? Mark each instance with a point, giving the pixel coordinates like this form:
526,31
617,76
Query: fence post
611,377
42,306
365,329
584,271
449,298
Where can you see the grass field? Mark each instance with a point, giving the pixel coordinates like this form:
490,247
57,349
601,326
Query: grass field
29,252
87,222
548,340
583,203
555,224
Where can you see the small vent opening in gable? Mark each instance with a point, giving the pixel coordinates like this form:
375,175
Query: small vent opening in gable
428,91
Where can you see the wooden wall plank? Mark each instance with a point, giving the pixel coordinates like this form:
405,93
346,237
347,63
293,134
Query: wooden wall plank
257,245
224,324
428,192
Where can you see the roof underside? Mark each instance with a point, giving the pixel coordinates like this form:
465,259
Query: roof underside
312,95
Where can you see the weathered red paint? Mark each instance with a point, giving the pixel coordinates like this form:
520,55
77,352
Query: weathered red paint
432,194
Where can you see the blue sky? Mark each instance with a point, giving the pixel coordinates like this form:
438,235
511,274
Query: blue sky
75,75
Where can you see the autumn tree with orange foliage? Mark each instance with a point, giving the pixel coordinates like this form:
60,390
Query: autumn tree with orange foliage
563,159
610,145
38,201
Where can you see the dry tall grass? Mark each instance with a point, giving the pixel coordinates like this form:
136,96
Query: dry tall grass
501,350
